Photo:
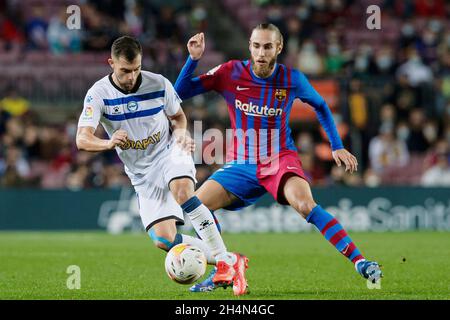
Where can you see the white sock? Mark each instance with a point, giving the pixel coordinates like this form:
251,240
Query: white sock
202,245
205,226
229,257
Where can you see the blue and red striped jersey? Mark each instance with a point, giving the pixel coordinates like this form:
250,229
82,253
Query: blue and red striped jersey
259,108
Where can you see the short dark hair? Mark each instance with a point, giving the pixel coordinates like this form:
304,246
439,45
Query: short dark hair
127,47
271,27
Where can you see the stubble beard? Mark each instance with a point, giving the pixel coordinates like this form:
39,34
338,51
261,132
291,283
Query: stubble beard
263,71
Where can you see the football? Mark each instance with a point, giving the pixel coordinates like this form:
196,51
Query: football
185,263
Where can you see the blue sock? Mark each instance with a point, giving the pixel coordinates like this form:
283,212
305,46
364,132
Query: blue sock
333,231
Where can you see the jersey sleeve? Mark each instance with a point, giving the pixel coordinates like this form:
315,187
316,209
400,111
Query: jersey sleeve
308,94
92,110
188,86
172,102
212,79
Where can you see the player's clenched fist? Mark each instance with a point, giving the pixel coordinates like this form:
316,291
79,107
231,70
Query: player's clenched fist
196,46
118,138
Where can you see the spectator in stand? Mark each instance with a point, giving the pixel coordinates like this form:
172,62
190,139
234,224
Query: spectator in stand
16,168
441,146
363,60
427,45
309,60
417,142
385,150
10,36
414,70
133,19
439,174
13,103
60,38
335,59
36,30
385,61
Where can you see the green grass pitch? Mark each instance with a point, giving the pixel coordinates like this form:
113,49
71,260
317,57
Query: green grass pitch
33,265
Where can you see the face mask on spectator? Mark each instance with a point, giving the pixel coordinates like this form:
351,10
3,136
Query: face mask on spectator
430,132
361,62
435,25
309,47
384,62
408,30
403,132
334,50
303,13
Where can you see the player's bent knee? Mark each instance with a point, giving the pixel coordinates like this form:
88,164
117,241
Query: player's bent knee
181,196
182,190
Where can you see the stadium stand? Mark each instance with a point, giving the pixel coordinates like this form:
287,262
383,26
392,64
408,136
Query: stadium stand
405,65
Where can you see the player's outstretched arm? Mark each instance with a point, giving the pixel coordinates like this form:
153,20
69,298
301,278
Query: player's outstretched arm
187,86
87,141
307,93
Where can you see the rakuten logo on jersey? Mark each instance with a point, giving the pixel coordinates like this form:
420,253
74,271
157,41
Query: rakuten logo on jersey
251,109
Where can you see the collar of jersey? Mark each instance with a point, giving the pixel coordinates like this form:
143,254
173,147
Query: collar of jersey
133,90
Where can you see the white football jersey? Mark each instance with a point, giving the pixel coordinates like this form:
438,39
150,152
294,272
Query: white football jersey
142,113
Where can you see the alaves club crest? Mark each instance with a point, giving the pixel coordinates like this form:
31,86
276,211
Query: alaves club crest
132,106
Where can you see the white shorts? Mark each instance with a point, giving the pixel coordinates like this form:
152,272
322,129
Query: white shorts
156,202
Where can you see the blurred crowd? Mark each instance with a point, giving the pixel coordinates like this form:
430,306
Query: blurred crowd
393,110
162,27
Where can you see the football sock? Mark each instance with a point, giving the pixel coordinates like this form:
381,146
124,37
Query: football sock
228,257
203,222
333,231
202,245
217,224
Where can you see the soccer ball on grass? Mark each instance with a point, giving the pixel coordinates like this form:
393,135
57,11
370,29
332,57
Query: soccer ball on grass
185,263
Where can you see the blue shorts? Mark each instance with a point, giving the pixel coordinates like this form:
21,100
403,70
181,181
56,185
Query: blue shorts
248,182
240,180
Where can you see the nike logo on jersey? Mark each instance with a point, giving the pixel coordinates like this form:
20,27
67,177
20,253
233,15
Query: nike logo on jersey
238,88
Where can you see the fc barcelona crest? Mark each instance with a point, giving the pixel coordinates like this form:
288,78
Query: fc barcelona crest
280,94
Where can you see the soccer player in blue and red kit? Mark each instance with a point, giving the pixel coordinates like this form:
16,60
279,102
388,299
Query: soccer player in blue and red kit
263,158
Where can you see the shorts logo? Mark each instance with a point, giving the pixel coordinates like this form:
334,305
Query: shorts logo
205,224
132,106
280,94
142,144
89,112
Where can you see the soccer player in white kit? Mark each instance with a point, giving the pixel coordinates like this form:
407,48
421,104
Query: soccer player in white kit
141,113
